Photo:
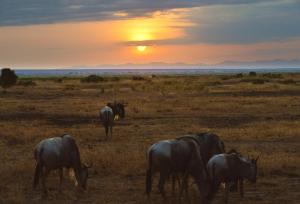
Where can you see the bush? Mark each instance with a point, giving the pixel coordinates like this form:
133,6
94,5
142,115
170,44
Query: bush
288,81
255,80
230,76
239,75
8,78
259,81
138,78
252,73
92,79
26,83
115,78
272,75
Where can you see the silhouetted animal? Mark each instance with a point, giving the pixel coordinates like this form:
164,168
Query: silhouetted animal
233,186
118,109
58,153
230,168
180,156
210,144
107,118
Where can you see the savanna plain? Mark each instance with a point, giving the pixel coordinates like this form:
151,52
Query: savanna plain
257,115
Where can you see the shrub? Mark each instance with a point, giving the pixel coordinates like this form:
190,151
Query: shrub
259,81
92,79
255,80
272,75
8,78
26,83
252,73
288,81
115,78
138,78
239,75
230,76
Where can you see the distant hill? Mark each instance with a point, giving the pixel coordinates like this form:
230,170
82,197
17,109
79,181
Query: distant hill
277,63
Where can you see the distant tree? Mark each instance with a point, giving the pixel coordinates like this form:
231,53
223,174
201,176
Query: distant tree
252,73
8,78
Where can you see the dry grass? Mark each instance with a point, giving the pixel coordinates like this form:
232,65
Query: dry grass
255,118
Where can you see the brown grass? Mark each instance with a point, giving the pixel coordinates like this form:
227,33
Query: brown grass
255,118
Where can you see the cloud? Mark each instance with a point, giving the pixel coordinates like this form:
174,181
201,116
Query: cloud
212,21
30,12
243,24
239,24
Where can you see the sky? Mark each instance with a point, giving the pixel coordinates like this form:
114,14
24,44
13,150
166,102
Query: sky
88,33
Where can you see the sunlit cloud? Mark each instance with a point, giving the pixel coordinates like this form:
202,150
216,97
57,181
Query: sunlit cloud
67,33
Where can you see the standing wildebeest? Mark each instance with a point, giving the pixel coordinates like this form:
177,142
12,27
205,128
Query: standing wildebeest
210,145
117,108
107,118
58,153
176,156
109,113
230,168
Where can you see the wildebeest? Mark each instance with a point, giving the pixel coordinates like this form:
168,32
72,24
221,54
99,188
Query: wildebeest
107,118
230,168
180,156
118,109
210,145
109,113
58,153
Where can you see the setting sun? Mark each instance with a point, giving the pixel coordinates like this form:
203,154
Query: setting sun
141,48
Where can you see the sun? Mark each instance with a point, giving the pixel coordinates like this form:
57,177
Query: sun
141,48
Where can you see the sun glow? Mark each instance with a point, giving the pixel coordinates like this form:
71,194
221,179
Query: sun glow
141,48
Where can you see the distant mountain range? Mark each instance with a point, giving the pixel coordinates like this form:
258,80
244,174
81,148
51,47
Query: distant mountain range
277,63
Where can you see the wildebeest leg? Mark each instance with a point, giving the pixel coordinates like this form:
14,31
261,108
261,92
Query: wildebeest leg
174,176
214,189
106,131
162,179
184,186
110,132
60,171
45,173
241,187
186,189
227,186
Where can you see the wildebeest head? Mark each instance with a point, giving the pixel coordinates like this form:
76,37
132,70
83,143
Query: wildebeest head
84,176
253,170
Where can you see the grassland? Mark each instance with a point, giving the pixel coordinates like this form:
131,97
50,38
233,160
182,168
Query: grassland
257,115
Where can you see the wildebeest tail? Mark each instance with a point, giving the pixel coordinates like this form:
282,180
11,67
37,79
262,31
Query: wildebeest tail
38,168
149,174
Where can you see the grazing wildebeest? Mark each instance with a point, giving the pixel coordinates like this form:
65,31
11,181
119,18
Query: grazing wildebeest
230,168
210,145
107,118
179,156
58,153
117,108
233,186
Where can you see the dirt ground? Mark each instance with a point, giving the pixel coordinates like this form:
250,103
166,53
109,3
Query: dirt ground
257,115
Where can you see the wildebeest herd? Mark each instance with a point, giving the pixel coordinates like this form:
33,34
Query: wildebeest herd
199,156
